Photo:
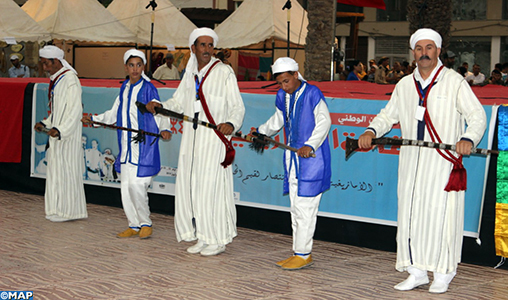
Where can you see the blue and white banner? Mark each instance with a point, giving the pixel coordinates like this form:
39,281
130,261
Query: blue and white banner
363,188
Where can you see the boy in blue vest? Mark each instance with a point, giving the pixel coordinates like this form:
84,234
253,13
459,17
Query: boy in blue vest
137,162
302,111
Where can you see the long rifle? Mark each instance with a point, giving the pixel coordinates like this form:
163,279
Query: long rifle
352,145
169,113
140,137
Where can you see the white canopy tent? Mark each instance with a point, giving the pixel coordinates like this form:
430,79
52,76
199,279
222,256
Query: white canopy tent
78,20
259,28
15,23
171,27
258,20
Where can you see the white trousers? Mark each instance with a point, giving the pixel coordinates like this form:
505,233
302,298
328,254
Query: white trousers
135,196
303,217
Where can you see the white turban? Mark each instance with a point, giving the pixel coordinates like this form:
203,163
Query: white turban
14,56
286,64
136,53
53,52
425,34
204,31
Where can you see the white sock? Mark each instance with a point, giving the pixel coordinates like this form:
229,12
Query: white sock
446,278
418,273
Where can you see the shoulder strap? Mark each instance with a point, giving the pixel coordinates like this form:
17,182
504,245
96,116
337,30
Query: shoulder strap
230,151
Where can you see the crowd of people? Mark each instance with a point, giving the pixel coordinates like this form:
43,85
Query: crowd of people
382,73
431,183
379,72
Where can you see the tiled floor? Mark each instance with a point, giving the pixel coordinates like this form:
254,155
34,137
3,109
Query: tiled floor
84,260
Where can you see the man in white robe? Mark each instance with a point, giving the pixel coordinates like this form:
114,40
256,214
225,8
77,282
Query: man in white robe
430,219
204,202
65,195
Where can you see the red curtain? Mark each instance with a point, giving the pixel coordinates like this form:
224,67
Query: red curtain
11,117
248,67
364,3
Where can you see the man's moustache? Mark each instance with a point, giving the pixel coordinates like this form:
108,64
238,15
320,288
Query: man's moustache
424,57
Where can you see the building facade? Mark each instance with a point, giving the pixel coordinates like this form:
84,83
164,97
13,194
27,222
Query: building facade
479,33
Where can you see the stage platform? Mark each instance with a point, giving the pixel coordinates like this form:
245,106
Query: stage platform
85,260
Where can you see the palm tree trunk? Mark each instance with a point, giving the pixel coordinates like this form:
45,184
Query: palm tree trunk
319,39
435,14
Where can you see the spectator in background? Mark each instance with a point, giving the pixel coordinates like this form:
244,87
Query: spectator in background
449,59
363,73
382,71
406,68
370,77
167,71
18,70
496,78
355,68
476,78
498,66
395,74
462,71
466,65
340,73
504,71
372,64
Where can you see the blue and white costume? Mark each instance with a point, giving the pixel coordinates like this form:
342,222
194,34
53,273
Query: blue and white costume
306,120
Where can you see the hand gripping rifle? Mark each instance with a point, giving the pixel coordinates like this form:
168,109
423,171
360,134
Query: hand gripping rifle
260,141
352,145
46,131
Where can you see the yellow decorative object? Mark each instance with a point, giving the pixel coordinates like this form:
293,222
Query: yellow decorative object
16,47
501,229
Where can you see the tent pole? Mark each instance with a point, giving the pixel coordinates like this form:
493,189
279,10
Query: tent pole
153,5
334,24
273,50
288,6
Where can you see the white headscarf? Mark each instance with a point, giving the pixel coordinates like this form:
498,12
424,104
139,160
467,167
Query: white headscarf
286,64
203,31
14,56
425,34
53,52
136,53
192,63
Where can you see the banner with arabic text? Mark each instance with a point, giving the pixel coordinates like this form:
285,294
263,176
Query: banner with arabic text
363,188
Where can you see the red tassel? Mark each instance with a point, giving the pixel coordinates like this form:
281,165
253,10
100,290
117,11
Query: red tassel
230,156
458,179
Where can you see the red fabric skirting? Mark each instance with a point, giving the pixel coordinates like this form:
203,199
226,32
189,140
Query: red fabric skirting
488,95
11,120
